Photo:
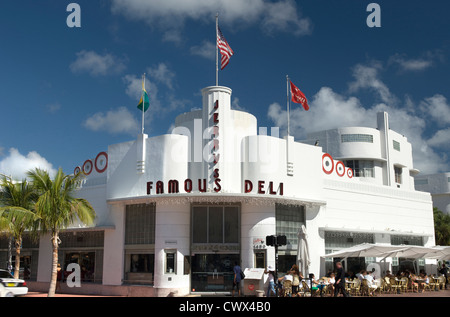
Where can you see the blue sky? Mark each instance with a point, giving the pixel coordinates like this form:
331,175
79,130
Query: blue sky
68,93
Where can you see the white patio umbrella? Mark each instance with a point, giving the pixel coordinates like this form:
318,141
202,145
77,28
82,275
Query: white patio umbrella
363,250
303,258
413,252
443,253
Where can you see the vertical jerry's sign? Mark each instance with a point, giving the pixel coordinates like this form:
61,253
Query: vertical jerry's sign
216,148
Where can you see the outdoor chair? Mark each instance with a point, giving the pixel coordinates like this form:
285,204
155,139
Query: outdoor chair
434,284
403,284
394,286
386,285
348,286
356,287
365,290
307,291
442,281
287,288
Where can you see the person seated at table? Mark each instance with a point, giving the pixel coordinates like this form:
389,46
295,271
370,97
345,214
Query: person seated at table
370,282
412,282
423,280
389,274
323,284
312,283
361,274
332,281
295,279
287,277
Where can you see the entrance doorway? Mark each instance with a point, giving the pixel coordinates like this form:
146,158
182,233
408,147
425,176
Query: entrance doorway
213,272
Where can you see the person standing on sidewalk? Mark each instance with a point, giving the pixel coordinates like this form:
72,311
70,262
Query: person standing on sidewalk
237,278
340,281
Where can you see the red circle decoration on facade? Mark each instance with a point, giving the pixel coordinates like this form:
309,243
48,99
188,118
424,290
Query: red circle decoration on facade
101,162
251,287
327,163
76,170
340,168
87,167
350,173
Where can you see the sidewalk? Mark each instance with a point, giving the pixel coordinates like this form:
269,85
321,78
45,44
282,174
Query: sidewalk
441,293
41,294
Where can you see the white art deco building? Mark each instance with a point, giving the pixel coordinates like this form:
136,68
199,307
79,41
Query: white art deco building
177,211
439,187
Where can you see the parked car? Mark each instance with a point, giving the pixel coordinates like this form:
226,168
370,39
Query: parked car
12,286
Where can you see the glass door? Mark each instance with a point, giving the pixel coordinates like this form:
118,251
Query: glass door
213,272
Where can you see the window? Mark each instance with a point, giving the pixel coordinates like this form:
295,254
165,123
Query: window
84,239
171,256
422,181
260,259
289,219
406,240
367,138
140,224
398,174
142,263
215,224
336,240
361,168
448,179
86,261
396,145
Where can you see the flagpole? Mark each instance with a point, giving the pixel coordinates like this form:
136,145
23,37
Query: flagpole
287,102
217,50
143,104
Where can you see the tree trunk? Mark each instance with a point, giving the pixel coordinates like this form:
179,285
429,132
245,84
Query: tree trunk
17,266
52,289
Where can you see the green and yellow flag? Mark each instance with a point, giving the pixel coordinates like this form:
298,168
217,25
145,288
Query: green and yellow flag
144,103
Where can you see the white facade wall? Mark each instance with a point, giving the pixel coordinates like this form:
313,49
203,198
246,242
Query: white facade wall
439,187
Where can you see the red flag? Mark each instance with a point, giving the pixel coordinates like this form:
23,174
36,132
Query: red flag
298,96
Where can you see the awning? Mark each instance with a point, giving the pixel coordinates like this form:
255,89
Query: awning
388,251
363,250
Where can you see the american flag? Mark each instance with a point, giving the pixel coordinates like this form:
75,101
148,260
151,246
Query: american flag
225,49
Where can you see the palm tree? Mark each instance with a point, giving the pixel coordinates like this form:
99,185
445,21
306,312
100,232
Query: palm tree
57,209
17,200
441,227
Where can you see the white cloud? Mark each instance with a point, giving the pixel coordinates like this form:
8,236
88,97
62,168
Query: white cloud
162,74
171,15
367,77
17,165
427,60
441,139
411,64
235,105
206,50
53,107
114,121
96,64
437,108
